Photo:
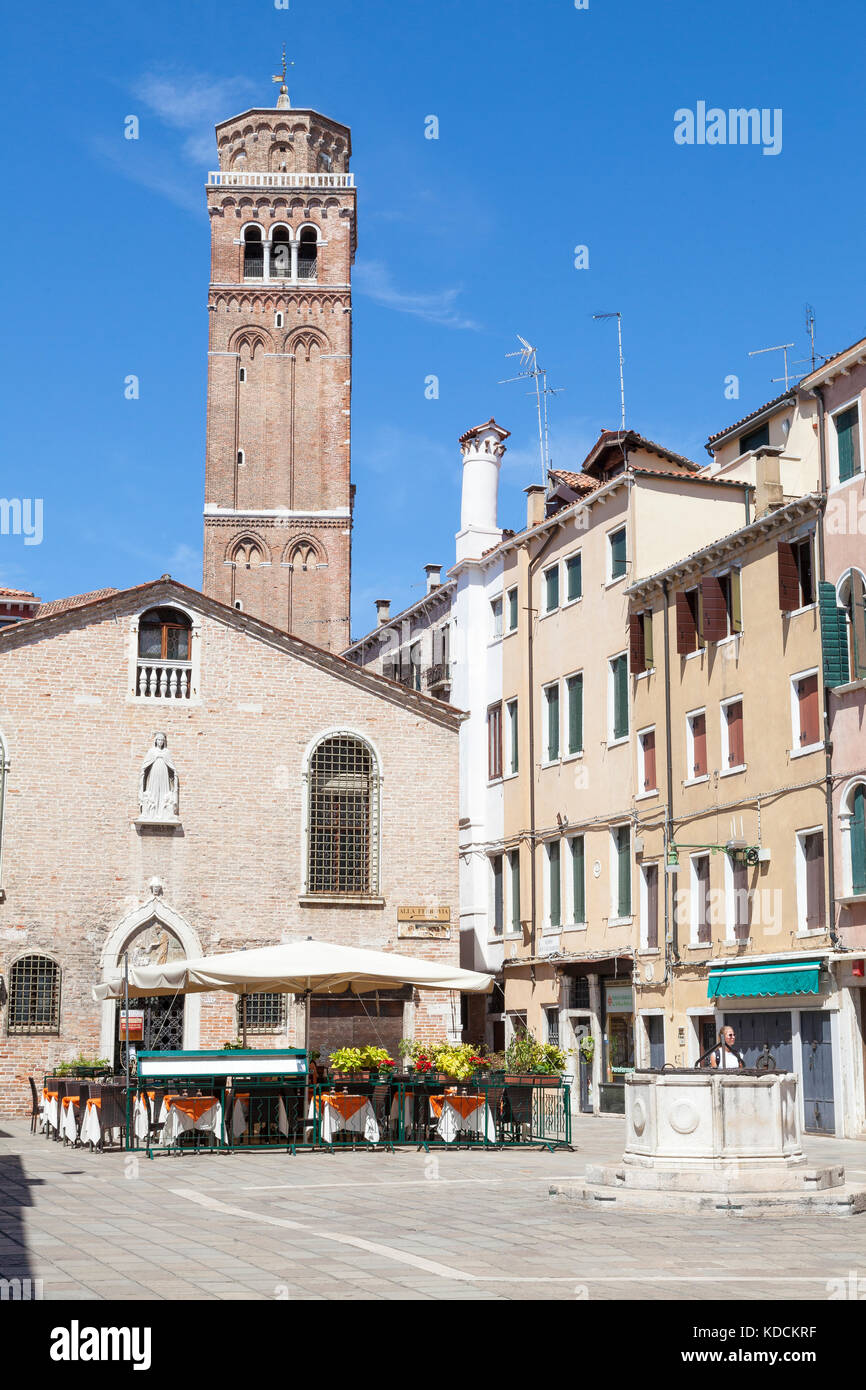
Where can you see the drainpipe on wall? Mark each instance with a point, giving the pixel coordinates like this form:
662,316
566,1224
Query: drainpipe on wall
530,677
828,746
671,942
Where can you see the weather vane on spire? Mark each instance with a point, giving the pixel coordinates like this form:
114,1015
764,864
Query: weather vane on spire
281,76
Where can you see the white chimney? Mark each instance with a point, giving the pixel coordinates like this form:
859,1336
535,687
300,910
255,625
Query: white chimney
383,610
482,449
434,577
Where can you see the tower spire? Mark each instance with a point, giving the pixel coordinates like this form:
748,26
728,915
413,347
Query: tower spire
283,102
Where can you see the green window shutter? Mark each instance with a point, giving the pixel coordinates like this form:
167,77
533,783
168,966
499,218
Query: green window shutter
617,554
578,878
555,893
619,669
514,736
574,571
858,625
834,636
512,610
847,426
515,890
858,841
623,849
575,714
551,579
552,723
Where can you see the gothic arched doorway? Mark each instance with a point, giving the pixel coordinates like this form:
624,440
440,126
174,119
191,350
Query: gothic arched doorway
156,1025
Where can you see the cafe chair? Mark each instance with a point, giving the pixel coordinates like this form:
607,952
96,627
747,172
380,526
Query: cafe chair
36,1105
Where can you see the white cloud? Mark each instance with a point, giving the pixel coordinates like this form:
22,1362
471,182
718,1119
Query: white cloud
193,104
373,279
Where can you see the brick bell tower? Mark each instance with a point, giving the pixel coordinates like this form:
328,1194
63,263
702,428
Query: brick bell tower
278,496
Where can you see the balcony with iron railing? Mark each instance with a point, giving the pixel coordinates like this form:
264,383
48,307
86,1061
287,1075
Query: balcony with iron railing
163,680
254,268
437,675
251,178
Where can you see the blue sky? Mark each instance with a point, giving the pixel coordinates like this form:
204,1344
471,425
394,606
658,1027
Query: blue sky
555,130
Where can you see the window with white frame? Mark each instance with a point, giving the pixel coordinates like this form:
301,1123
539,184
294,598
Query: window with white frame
851,596
574,713
496,618
620,872
617,698
551,1025
513,731
551,731
574,578
649,907
700,916
733,746
853,824
551,589
805,713
553,915
811,906
738,900
498,894
513,857
845,433
696,745
577,880
646,761
512,609
617,562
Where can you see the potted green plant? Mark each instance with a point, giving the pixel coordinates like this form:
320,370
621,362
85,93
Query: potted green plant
586,1048
378,1060
347,1065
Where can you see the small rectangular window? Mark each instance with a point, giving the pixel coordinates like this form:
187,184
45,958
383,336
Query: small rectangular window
732,730
812,845
554,886
514,870
616,553
697,744
551,697
808,721
578,879
651,900
551,1020
690,625
796,574
740,909
647,760
847,424
512,610
622,870
498,898
513,738
496,617
574,691
551,589
618,677
574,577
702,931
494,741
755,439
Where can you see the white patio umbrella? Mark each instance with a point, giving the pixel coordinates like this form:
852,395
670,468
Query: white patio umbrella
294,967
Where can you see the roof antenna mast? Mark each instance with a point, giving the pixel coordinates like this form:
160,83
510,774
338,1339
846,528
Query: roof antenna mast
618,316
531,371
780,347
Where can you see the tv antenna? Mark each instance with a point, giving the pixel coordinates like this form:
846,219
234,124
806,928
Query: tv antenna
780,347
810,329
618,316
528,356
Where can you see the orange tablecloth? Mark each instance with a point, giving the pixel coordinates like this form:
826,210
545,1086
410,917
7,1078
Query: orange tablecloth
464,1105
193,1106
347,1105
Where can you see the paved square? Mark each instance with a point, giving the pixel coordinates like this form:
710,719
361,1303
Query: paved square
448,1225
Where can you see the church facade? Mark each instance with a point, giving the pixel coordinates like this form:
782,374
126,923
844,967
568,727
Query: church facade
236,788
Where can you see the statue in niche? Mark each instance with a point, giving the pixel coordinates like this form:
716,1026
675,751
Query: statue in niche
155,945
158,784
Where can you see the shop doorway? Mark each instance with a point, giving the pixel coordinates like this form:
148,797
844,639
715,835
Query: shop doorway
819,1109
758,1030
655,1031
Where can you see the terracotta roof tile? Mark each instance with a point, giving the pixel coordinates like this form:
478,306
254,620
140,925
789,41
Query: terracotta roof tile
22,594
61,605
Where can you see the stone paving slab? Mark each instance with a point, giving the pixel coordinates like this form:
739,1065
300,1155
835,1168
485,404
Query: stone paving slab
455,1225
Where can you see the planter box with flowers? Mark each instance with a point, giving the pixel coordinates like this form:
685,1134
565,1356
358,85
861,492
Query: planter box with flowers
361,1064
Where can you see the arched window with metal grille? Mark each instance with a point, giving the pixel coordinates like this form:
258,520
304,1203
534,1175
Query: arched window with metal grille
34,996
343,817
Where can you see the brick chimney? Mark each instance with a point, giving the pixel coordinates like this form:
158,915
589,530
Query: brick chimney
383,610
768,481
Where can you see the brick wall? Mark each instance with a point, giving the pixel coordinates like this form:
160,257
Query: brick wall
75,865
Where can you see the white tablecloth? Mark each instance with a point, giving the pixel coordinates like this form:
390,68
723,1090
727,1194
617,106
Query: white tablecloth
68,1122
91,1130
176,1121
479,1121
49,1110
240,1118
362,1122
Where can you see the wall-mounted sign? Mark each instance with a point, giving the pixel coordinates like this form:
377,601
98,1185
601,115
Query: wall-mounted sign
440,931
618,999
423,914
130,1025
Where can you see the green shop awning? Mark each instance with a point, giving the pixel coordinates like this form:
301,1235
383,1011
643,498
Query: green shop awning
766,979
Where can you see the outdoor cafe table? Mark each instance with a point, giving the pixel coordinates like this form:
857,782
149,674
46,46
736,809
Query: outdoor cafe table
68,1122
241,1115
461,1114
181,1114
340,1110
91,1129
49,1108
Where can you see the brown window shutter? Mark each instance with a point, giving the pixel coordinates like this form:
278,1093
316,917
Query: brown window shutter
652,906
714,610
687,632
649,760
699,741
789,578
809,724
703,887
814,853
637,653
736,751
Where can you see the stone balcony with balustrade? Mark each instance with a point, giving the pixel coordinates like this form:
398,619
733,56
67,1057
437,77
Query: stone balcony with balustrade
163,680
